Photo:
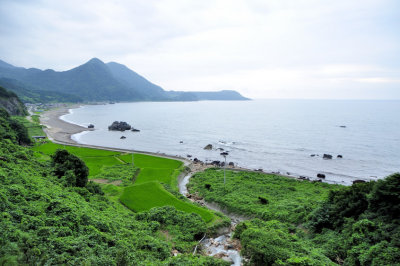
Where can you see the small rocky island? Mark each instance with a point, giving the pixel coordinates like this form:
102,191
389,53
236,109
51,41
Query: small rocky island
121,126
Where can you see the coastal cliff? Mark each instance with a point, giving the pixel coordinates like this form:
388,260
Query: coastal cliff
11,103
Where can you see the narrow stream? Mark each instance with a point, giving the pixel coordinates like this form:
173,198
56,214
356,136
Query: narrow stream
222,246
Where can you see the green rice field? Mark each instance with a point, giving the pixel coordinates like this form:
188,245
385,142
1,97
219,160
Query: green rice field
146,191
145,196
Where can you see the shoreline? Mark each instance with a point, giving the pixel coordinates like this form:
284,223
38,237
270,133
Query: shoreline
60,132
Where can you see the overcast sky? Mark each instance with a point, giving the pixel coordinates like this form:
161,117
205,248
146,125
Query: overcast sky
261,48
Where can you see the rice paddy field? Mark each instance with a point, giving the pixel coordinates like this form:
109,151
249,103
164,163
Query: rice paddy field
142,183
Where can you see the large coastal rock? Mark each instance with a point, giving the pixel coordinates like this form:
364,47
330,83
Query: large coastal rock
119,126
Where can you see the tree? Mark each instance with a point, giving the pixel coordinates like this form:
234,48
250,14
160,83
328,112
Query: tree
68,165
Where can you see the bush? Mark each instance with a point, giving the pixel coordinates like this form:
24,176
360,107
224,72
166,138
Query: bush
69,166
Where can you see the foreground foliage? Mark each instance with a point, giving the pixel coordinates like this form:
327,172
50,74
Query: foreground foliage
46,221
364,218
304,223
12,129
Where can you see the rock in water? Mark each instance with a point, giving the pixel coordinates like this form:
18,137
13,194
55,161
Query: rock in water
122,137
340,156
119,126
208,147
327,156
321,175
91,126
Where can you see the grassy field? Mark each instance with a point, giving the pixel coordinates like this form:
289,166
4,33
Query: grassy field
261,195
95,159
142,187
145,196
34,128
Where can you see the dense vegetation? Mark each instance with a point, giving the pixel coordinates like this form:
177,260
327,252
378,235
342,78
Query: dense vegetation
361,223
305,223
12,129
49,217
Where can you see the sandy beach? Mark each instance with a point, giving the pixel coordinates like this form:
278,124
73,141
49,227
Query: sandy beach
60,131
57,129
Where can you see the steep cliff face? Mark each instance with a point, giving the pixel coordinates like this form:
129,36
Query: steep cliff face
11,103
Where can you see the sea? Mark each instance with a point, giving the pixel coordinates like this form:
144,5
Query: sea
288,137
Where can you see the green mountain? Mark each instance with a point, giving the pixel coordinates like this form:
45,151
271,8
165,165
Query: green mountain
97,81
11,103
30,94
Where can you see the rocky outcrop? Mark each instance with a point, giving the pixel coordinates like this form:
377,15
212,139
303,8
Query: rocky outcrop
208,147
91,126
11,103
327,156
321,175
119,126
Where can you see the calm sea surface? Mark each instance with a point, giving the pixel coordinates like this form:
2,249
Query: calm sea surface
275,135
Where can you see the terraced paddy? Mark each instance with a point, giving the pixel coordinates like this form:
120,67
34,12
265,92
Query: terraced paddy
142,187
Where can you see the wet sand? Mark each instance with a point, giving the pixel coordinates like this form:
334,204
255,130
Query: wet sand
57,129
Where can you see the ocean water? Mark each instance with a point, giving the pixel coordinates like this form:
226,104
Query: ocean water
274,135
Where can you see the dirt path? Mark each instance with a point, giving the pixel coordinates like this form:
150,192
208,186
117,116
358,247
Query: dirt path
106,181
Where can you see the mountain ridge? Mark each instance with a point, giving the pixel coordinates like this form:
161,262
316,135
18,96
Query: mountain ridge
99,81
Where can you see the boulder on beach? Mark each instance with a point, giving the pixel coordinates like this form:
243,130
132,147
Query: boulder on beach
208,147
231,164
119,126
321,175
216,163
327,156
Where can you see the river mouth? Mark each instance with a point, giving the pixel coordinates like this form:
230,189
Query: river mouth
223,246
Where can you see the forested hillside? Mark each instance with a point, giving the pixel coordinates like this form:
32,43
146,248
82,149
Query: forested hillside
30,94
51,215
